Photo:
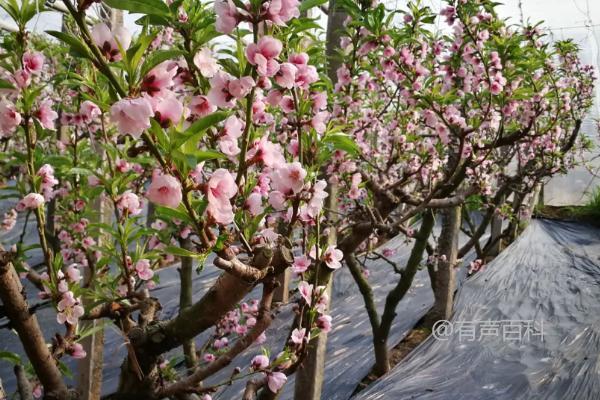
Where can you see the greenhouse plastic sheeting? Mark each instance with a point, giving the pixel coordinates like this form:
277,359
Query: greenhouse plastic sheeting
550,277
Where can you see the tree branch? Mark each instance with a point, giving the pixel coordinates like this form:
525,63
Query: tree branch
29,331
190,383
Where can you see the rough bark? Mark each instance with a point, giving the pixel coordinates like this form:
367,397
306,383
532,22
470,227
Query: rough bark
139,374
28,329
445,275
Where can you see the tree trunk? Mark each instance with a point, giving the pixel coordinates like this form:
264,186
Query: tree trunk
185,300
380,337
534,200
382,355
282,292
445,275
89,369
495,236
309,377
28,329
512,231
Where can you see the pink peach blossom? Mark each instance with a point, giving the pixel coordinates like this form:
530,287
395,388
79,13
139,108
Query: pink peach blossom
22,78
165,190
221,188
318,121
275,381
259,362
333,257
144,270
108,41
32,201
301,264
132,116
306,291
227,16
33,62
9,117
298,335
267,152
168,110
69,309
229,146
129,202
46,115
201,106
89,111
324,323
76,351
286,76
206,63
281,11
288,178
160,78
263,55
225,89
254,204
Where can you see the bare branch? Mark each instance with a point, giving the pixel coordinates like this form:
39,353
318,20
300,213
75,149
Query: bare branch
240,270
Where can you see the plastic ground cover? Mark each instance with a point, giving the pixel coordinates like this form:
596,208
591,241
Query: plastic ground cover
550,275
349,345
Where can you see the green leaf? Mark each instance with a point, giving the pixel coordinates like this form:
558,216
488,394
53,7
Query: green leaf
6,84
79,171
204,123
65,370
154,20
308,4
149,7
168,213
199,127
76,45
135,53
205,155
181,252
12,357
30,9
159,132
12,9
341,141
83,333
